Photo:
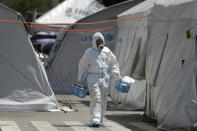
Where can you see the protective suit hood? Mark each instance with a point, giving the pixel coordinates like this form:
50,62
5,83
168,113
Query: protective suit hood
97,36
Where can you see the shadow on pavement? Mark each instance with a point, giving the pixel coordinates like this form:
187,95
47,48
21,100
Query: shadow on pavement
136,122
86,103
110,106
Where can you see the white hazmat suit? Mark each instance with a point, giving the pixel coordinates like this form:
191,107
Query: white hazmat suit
99,65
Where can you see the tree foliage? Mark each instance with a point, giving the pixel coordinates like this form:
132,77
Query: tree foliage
28,7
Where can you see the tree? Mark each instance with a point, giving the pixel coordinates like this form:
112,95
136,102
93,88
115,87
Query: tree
28,7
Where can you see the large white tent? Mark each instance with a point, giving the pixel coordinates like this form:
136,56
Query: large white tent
131,38
63,70
23,80
70,11
170,64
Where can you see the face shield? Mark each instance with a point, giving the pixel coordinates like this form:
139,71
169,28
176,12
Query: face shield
99,43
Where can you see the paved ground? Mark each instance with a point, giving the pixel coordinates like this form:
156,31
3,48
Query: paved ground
116,120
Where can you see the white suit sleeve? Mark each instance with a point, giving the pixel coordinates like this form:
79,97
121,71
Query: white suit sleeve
114,70
83,67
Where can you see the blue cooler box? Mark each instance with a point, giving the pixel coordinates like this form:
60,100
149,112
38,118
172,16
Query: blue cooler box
79,90
122,86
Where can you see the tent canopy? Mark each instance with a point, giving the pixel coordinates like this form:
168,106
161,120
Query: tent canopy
170,64
70,11
131,38
24,83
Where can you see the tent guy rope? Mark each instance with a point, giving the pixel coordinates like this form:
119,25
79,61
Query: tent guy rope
88,23
33,25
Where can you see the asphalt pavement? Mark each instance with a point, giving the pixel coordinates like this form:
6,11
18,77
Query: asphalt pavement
116,119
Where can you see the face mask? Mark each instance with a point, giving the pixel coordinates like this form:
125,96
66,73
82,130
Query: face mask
100,45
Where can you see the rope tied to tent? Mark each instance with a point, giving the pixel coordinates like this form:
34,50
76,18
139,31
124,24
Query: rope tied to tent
86,23
52,29
38,25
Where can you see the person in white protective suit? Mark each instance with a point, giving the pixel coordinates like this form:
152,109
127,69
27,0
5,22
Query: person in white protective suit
99,63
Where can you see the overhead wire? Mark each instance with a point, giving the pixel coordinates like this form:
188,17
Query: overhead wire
82,23
39,25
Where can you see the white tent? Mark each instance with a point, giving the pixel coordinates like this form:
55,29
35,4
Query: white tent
24,84
70,11
131,39
170,64
64,68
